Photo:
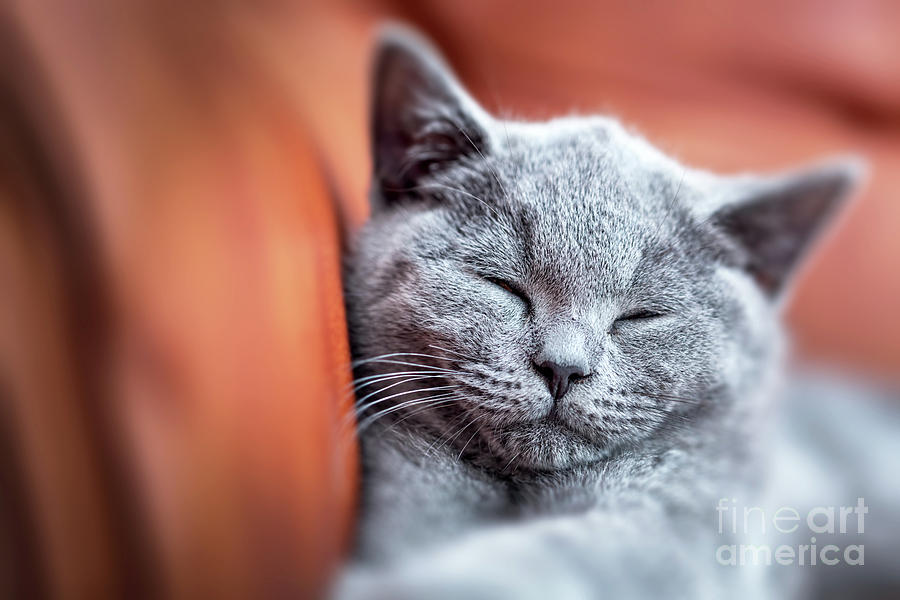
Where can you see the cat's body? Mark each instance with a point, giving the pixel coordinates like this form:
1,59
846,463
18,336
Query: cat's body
439,528
566,344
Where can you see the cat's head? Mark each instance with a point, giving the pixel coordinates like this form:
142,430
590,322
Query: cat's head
547,293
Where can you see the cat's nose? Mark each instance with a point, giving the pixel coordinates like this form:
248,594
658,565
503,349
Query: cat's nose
559,377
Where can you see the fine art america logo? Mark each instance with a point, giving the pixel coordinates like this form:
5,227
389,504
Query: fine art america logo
801,538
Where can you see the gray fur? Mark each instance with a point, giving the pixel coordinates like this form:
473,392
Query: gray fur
492,487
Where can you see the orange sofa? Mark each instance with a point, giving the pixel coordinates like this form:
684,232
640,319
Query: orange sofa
176,183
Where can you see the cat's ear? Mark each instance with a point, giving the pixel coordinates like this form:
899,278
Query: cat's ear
774,221
422,119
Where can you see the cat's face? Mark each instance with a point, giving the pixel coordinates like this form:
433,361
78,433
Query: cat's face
562,290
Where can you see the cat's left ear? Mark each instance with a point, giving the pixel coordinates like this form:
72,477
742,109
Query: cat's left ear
774,221
422,118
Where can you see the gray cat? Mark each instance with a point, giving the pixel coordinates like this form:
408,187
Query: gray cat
567,345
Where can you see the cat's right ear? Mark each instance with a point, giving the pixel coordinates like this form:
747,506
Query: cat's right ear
774,221
422,119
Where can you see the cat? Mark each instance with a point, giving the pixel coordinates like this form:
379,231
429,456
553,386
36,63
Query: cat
566,346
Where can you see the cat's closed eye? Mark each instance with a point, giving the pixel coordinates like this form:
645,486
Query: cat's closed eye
640,315
510,288
635,318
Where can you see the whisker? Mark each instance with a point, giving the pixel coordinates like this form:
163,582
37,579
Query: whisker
458,433
444,402
441,186
421,366
359,380
668,419
442,394
691,401
460,354
363,407
466,445
444,437
432,402
418,375
670,205
364,361
409,379
360,403
369,420
483,158
515,456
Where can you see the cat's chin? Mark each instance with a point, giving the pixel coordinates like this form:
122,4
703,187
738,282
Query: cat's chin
546,446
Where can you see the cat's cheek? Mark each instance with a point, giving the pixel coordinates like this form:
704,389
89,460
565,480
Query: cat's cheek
665,357
637,338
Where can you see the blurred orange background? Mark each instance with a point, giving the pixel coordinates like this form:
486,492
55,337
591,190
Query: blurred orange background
177,179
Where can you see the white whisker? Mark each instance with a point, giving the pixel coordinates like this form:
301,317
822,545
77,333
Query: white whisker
364,361
458,191
515,456
361,409
483,158
459,354
369,420
466,445
421,366
419,375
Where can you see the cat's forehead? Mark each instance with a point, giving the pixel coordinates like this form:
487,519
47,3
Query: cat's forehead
586,164
591,191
